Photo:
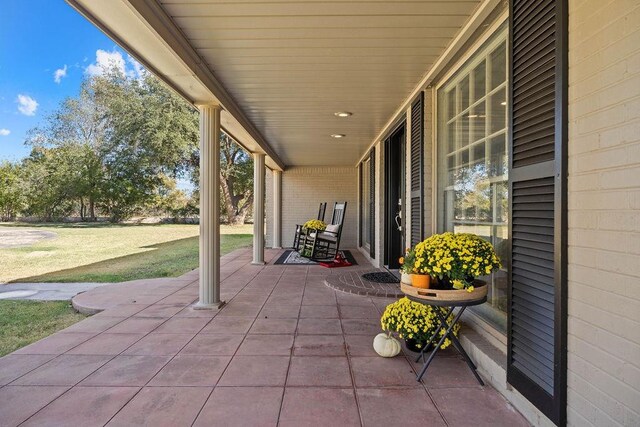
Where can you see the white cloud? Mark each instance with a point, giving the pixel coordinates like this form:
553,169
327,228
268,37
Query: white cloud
138,70
27,105
106,61
4,132
60,73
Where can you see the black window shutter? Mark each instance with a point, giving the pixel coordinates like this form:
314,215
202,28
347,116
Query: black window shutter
372,203
417,159
537,335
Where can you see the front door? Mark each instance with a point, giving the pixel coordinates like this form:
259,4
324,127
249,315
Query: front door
394,197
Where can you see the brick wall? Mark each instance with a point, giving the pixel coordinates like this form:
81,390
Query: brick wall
303,188
604,213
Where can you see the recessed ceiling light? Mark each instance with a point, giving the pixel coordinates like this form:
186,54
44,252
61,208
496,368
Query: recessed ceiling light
338,135
503,103
343,114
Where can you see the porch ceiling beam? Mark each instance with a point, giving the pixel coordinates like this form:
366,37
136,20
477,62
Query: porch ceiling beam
151,14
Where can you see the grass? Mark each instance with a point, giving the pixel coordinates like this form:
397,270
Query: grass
111,252
24,322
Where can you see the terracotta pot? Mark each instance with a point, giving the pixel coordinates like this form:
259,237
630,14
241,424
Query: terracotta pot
420,281
405,278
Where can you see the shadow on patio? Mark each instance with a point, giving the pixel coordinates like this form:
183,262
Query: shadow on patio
286,350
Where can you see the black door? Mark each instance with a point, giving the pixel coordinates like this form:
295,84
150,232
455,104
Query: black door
394,197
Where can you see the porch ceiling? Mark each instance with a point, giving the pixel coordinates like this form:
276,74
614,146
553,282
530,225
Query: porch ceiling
290,65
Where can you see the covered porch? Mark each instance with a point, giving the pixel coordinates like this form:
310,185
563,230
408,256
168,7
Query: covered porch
503,119
285,350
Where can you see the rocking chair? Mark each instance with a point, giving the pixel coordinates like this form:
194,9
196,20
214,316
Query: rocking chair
300,232
325,244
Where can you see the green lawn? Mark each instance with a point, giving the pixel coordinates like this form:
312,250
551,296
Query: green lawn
111,253
23,322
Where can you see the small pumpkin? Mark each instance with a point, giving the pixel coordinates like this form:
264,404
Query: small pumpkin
386,345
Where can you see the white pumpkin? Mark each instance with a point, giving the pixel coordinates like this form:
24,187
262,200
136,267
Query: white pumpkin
386,345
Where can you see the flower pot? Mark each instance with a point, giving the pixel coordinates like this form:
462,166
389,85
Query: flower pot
405,278
420,281
412,345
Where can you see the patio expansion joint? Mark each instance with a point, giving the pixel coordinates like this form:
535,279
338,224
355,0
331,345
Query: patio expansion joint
351,373
77,384
241,342
143,307
178,352
281,282
286,377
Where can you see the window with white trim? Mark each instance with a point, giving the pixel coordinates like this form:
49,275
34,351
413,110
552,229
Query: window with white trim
472,162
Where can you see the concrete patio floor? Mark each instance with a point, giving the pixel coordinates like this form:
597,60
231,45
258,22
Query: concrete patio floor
286,350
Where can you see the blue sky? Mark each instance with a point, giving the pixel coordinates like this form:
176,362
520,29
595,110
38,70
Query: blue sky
38,37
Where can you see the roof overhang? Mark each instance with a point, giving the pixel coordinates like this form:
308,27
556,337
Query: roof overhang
145,32
281,70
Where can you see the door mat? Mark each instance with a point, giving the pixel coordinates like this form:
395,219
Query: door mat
292,257
380,277
339,261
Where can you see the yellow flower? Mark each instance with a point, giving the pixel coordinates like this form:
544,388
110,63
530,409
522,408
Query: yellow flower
315,224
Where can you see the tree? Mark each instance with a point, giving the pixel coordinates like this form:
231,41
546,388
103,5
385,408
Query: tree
153,133
78,128
125,136
48,176
236,180
11,195
170,199
118,149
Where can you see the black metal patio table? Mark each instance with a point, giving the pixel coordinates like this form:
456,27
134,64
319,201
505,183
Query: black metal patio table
443,310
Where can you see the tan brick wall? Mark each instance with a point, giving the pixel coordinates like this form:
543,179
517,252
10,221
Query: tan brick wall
604,213
303,188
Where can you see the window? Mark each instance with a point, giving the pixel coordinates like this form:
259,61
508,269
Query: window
473,162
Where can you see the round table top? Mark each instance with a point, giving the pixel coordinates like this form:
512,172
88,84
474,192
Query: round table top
439,303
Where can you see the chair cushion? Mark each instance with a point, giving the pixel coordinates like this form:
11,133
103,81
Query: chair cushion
333,228
328,237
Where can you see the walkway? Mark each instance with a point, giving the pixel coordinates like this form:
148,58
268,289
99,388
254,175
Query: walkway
287,350
45,291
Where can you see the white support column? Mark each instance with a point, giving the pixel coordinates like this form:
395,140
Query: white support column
258,208
209,207
277,209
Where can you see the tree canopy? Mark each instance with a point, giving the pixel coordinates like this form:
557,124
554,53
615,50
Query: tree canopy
118,149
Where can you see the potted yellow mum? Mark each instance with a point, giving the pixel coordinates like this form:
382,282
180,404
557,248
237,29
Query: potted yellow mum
456,259
414,322
314,224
